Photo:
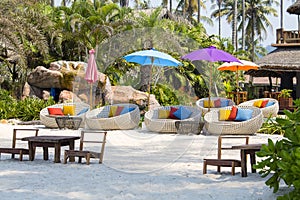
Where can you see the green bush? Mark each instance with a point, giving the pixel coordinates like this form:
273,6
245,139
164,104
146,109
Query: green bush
282,158
25,110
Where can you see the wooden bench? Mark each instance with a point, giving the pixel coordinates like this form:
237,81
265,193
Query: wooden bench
87,154
15,150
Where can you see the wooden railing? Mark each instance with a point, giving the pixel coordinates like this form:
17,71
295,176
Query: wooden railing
291,36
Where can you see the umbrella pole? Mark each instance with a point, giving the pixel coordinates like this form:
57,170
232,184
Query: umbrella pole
209,90
149,85
91,96
237,87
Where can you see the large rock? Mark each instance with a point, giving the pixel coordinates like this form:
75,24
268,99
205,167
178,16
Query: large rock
127,94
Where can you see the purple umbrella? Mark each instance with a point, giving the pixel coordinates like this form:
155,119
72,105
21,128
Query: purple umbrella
91,74
211,54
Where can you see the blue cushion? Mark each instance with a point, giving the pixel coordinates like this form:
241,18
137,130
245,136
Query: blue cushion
126,110
224,102
182,113
83,111
270,103
243,114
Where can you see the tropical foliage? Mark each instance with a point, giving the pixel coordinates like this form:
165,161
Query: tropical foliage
281,159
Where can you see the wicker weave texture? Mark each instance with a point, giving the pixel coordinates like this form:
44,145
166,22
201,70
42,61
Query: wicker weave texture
153,123
249,127
200,103
125,121
270,111
50,122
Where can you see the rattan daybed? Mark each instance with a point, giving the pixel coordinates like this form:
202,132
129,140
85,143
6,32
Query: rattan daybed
49,121
99,118
216,127
200,103
153,123
269,111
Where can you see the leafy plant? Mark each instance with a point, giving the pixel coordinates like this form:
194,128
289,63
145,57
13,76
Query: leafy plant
271,127
282,158
285,93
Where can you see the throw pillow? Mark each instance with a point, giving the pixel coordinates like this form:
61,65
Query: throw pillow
224,114
119,110
163,114
243,114
126,110
257,103
55,111
112,111
233,113
69,110
270,103
224,102
171,115
264,103
182,113
207,104
217,103
84,110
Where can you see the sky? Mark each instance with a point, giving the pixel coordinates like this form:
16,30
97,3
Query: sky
290,21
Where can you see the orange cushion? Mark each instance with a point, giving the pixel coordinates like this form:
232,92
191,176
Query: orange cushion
233,113
264,103
55,111
224,114
257,103
163,114
208,104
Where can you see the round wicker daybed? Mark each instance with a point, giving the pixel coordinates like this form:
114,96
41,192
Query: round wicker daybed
216,127
269,111
153,123
99,118
200,103
49,121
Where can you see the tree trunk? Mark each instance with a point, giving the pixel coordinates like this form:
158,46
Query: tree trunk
243,25
170,2
199,8
234,25
219,7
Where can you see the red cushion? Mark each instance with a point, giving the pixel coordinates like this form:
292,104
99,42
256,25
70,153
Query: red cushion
233,113
55,111
264,103
217,103
171,115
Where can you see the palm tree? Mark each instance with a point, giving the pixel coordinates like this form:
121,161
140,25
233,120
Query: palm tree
256,12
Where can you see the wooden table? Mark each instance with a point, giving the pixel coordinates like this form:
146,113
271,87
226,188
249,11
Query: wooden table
50,141
250,149
238,97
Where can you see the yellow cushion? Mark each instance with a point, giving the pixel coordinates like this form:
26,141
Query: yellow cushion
257,103
69,109
206,104
112,111
224,114
163,114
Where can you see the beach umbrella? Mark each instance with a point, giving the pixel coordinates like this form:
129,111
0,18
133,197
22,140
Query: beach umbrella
152,57
244,65
210,54
91,73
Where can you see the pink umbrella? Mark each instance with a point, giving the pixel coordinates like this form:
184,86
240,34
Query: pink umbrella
91,74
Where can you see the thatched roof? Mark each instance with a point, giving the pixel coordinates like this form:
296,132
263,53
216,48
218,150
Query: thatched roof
294,8
283,59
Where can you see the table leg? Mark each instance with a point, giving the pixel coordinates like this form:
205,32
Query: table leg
243,163
71,147
252,160
31,151
46,154
57,153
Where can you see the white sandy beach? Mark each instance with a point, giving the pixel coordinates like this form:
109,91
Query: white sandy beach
137,165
